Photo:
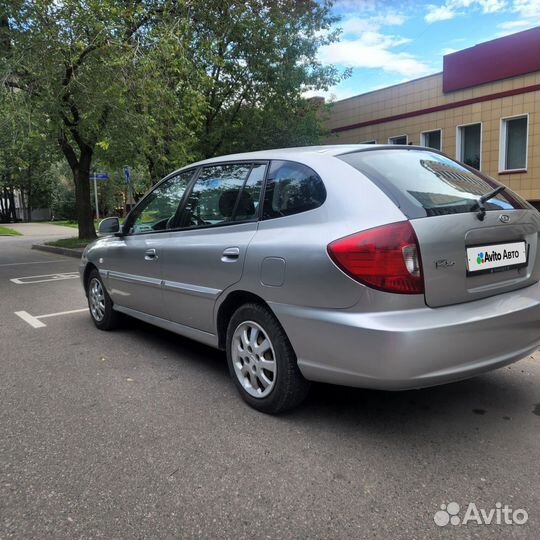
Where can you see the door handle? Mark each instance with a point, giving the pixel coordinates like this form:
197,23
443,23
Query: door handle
150,255
230,254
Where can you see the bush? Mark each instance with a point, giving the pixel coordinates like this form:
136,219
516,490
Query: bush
63,206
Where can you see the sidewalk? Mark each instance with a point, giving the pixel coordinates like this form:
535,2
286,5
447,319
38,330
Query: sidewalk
43,229
34,235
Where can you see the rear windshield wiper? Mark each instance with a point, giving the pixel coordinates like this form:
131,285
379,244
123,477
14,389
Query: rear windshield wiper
479,204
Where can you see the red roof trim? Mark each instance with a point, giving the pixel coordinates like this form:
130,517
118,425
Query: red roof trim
501,58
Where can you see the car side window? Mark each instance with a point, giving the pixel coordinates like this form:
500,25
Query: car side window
291,188
158,209
214,196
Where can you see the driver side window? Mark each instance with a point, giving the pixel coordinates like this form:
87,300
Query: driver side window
157,211
213,198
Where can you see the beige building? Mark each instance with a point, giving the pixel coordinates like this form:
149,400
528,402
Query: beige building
483,109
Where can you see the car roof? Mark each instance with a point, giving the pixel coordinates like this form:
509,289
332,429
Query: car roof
299,151
288,153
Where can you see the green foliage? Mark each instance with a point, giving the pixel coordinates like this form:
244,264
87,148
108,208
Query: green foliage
63,204
6,231
25,156
260,58
154,84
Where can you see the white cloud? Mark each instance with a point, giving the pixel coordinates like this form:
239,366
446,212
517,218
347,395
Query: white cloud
366,44
391,18
452,8
374,50
528,12
529,9
510,27
439,13
356,25
492,6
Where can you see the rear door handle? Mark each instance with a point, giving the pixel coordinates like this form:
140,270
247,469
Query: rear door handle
230,254
150,255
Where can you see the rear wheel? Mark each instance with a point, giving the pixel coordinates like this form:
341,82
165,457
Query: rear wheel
262,361
100,303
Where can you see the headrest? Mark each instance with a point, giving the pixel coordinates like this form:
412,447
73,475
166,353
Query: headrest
245,208
227,202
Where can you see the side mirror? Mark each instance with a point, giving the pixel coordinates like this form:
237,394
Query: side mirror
109,226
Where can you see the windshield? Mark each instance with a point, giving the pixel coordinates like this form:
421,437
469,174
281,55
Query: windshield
423,183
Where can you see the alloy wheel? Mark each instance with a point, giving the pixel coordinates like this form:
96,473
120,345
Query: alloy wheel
254,359
96,296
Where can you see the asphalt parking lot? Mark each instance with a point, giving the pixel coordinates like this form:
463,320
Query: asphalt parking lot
139,433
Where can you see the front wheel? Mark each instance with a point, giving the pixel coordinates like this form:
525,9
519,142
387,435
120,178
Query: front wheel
262,361
100,303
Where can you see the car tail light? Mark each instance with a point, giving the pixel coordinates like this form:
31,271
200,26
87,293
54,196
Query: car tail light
385,258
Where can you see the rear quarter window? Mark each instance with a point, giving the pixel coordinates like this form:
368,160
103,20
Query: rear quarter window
291,188
423,183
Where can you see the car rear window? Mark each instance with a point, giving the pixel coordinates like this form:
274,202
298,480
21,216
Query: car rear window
423,183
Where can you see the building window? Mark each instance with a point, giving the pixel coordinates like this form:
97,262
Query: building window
432,139
372,141
469,145
400,139
513,143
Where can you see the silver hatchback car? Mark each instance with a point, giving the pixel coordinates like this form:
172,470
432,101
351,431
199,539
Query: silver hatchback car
389,267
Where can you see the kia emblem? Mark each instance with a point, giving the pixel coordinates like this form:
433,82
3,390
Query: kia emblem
504,218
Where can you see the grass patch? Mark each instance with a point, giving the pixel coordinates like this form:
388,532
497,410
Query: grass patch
6,231
71,243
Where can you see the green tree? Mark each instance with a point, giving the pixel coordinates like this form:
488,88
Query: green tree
159,83
25,156
260,58
74,61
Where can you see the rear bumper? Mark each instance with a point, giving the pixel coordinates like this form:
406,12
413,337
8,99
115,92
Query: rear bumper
415,348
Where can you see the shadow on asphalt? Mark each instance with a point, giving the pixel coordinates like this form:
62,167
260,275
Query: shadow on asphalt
489,399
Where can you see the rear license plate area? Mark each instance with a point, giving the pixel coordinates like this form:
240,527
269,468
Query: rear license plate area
489,258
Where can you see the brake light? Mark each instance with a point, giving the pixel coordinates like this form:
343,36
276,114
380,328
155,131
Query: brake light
385,258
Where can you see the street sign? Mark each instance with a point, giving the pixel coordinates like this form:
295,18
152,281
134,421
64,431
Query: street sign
99,177
127,174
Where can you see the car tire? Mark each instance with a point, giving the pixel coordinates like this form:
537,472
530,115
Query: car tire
262,362
100,304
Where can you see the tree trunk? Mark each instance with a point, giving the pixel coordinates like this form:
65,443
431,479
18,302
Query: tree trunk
12,211
80,169
29,192
3,206
24,215
81,176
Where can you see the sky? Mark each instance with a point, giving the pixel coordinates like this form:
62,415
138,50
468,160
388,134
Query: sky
392,41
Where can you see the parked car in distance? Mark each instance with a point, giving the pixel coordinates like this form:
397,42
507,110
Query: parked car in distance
376,266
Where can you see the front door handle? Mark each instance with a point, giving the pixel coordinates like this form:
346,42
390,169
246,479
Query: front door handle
230,254
150,255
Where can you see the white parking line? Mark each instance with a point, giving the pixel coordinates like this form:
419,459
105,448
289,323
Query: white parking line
44,277
33,262
34,321
62,313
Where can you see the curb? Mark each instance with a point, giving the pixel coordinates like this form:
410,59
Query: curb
76,253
